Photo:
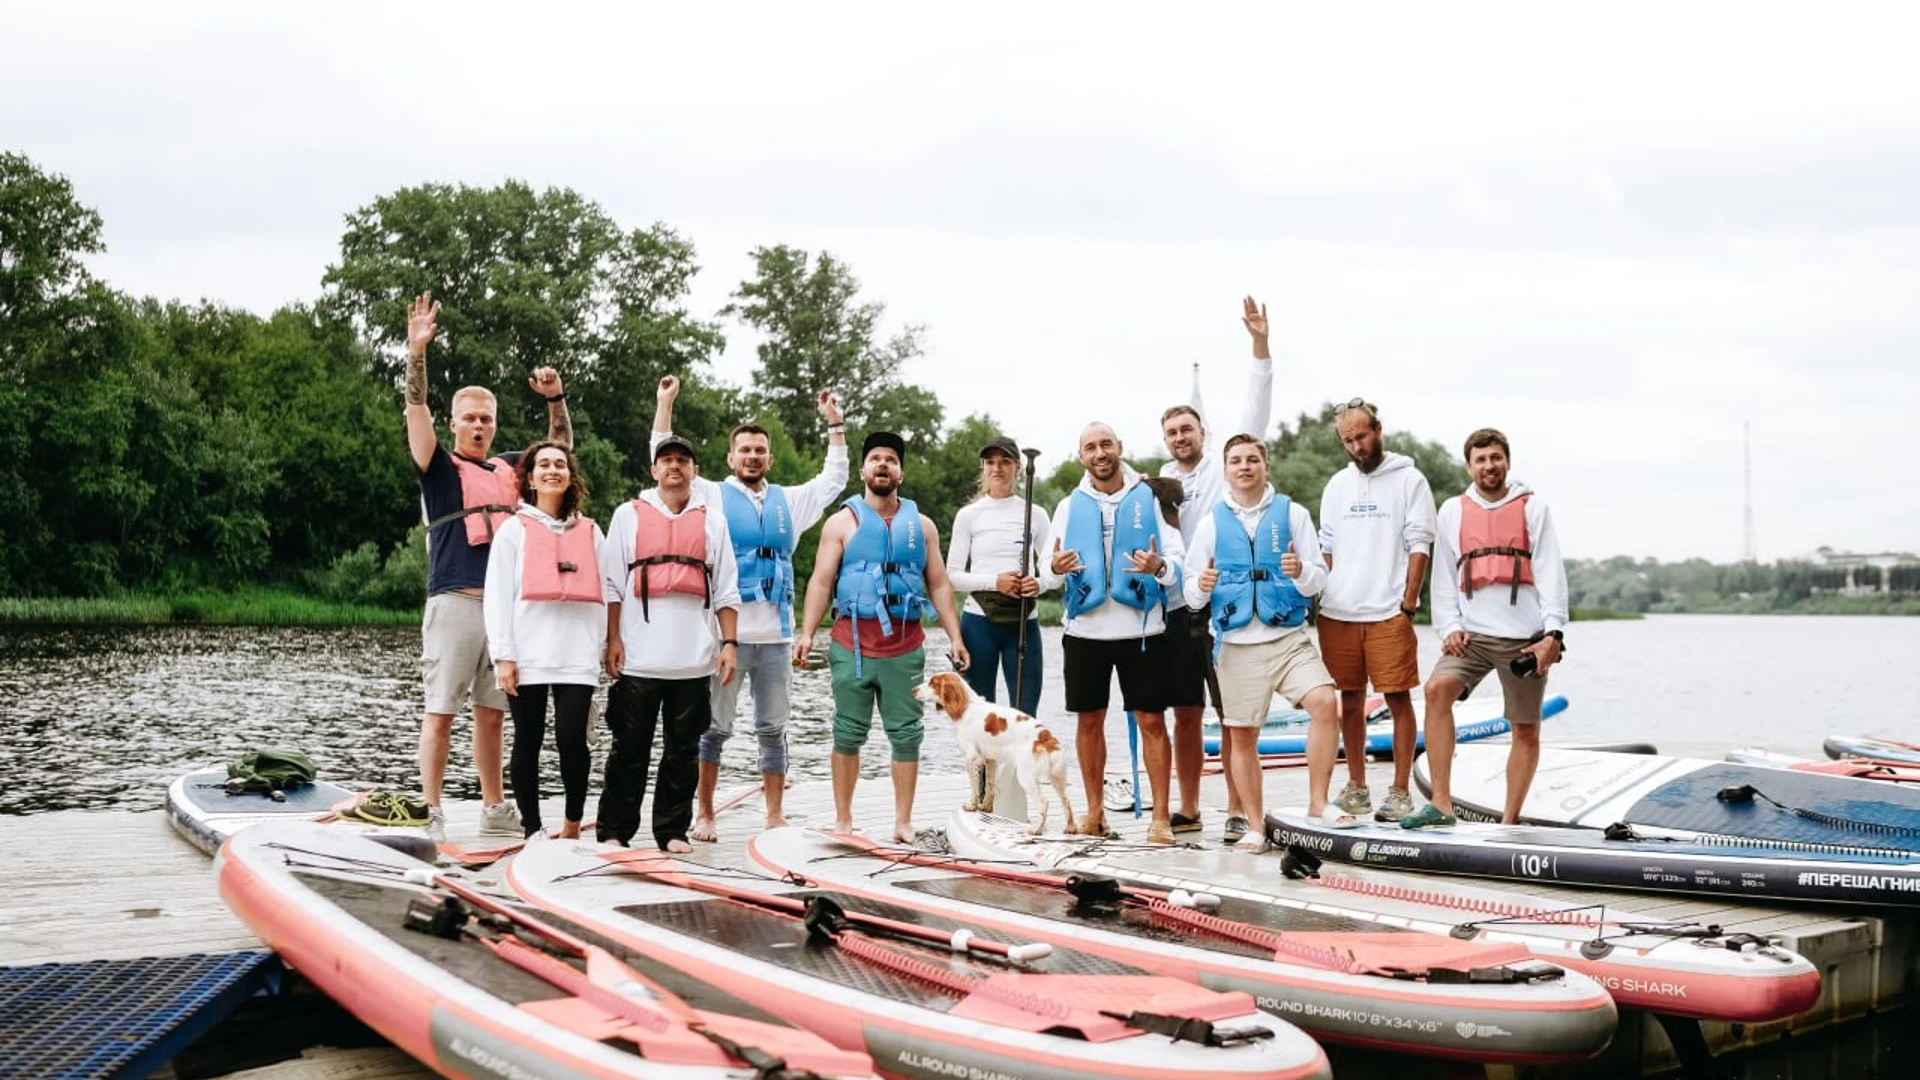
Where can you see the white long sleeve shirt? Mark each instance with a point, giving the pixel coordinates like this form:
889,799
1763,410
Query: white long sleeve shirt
1305,544
677,637
808,503
1541,606
1203,486
1371,523
986,543
552,641
1113,621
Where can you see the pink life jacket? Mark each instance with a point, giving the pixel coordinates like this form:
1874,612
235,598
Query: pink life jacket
488,495
670,554
559,565
1494,547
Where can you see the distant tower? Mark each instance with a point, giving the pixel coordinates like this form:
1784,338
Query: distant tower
1749,547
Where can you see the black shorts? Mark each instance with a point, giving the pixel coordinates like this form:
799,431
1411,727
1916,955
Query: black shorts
1088,667
1190,680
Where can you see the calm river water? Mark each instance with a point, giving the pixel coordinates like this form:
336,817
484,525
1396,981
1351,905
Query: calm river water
107,717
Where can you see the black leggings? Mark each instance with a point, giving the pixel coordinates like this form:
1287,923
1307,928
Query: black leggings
571,705
637,707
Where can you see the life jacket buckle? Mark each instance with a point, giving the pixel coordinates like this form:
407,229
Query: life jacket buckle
567,567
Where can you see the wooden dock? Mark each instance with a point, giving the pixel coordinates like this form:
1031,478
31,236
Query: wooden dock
92,885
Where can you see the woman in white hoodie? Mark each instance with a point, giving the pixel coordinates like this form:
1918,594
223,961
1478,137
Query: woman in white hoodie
547,626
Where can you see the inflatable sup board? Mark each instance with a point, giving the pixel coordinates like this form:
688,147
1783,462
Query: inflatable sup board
1879,748
1342,980
473,987
926,997
1678,968
1286,732
200,809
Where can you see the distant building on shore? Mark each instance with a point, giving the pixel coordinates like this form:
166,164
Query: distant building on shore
1852,573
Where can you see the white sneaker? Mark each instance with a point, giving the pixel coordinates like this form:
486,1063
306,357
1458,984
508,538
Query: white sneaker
436,825
501,819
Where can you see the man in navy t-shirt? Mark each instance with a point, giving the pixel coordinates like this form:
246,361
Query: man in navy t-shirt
465,494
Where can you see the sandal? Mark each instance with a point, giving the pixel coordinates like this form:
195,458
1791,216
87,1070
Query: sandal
1159,832
1335,818
1091,827
1428,817
1253,843
1182,823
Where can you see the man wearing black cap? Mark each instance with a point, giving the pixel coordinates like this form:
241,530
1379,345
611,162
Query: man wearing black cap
669,553
880,563
764,522
992,557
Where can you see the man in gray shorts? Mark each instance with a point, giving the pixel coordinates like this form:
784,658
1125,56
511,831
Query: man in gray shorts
1499,595
465,493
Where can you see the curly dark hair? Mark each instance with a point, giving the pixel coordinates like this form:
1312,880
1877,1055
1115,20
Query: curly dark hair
573,499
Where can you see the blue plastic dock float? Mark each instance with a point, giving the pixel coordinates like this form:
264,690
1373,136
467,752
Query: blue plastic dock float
122,1018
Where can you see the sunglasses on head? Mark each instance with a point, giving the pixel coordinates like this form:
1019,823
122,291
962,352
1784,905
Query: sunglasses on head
1360,403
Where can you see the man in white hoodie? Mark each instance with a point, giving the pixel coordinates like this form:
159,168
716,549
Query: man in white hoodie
669,553
1256,560
1119,562
1499,596
1376,530
1202,486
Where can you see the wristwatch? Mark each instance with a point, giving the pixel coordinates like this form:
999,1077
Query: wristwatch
1408,611
726,641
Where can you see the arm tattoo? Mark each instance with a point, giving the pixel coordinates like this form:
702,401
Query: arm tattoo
417,379
559,424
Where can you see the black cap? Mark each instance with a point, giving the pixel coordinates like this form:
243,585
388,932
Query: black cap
675,442
1000,444
887,439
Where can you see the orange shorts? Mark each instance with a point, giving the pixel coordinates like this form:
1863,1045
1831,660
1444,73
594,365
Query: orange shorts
1383,652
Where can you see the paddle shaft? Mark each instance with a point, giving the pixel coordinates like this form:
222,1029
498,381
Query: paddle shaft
787,905
1026,564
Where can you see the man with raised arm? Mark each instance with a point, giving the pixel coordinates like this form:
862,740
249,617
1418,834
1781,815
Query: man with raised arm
1499,596
466,494
1203,485
879,563
764,522
1376,531
1118,560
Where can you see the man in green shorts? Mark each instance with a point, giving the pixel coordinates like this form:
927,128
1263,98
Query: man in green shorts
880,563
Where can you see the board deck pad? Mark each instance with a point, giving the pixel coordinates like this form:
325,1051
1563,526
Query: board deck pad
779,939
207,791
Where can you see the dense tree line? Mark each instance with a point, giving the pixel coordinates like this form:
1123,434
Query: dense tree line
1624,583
148,445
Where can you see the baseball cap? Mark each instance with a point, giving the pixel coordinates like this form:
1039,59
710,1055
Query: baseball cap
1000,444
675,442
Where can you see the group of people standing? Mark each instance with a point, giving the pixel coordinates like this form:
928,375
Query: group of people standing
1194,588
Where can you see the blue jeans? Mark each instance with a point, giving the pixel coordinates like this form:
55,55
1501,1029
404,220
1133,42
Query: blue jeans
991,650
771,669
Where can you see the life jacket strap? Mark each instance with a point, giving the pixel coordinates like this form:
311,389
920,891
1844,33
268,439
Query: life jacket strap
650,561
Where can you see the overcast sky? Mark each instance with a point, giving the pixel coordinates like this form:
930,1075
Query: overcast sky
1614,235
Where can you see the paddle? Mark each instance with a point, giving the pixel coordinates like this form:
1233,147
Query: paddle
1133,751
1026,565
960,941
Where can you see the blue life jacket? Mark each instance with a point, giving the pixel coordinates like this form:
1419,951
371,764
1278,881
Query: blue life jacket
1251,584
762,548
883,571
1136,522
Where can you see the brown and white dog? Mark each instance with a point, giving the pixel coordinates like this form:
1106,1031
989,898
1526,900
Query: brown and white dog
997,735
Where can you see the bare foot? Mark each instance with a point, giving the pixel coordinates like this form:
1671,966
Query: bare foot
843,827
678,847
703,830
776,821
903,834
569,831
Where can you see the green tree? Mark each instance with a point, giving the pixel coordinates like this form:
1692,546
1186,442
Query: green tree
817,335
524,279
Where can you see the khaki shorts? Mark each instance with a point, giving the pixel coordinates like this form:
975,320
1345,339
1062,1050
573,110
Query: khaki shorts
1524,693
1250,674
1384,653
453,656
